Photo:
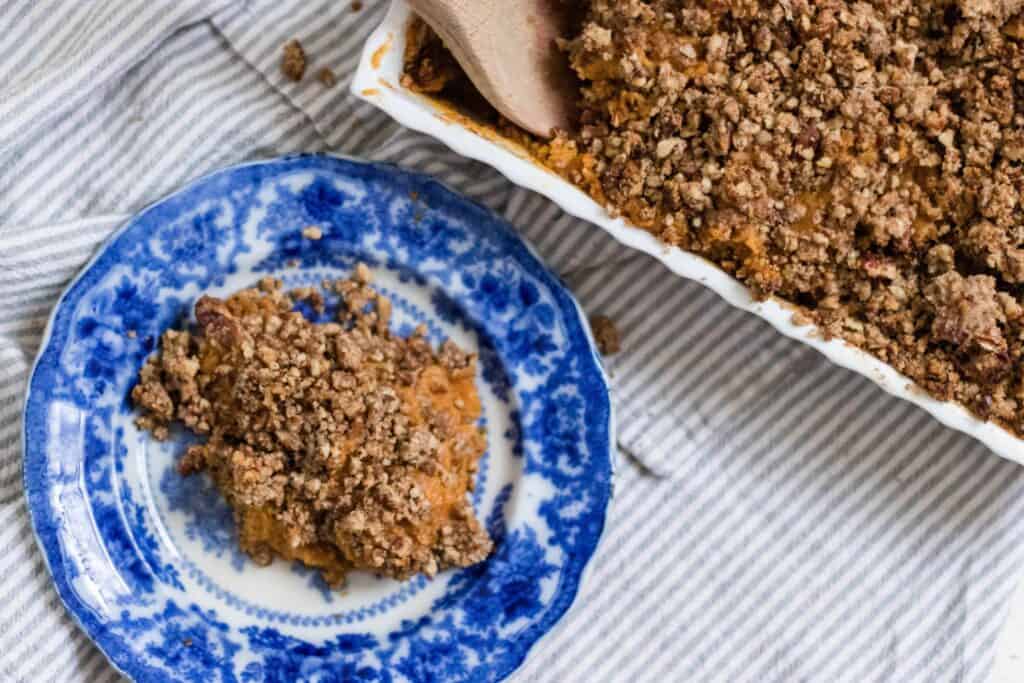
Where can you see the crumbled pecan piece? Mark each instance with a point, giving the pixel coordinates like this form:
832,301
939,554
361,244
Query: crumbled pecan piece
293,60
606,334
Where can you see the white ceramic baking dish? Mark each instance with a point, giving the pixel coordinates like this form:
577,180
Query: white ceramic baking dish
378,82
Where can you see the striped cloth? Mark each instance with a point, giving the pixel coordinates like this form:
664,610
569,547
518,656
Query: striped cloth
778,519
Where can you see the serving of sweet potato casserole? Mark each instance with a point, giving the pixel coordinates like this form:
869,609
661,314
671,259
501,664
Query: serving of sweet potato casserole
336,444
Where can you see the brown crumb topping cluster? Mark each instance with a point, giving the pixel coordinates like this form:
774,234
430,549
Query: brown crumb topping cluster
860,160
337,444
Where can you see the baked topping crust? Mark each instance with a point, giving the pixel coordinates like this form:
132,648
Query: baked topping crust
859,160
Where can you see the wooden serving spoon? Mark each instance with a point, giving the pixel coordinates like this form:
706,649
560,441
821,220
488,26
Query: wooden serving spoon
507,48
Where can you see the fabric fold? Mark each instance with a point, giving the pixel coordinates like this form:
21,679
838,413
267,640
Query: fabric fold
57,53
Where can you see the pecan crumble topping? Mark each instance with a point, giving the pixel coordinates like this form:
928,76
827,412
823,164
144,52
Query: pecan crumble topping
336,444
859,160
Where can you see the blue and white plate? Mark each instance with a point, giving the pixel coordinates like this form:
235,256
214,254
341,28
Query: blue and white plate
146,560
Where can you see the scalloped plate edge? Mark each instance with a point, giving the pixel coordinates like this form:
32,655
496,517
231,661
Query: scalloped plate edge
64,591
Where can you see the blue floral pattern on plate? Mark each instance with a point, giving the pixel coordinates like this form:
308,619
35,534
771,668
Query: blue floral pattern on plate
145,561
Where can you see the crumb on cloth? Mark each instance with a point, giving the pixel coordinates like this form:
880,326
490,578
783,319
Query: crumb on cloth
327,77
606,334
293,61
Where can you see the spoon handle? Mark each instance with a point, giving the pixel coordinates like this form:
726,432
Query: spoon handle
459,22
507,48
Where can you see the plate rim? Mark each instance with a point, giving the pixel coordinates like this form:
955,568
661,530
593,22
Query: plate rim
61,585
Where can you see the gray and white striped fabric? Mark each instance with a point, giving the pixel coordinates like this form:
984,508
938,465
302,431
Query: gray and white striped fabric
778,519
